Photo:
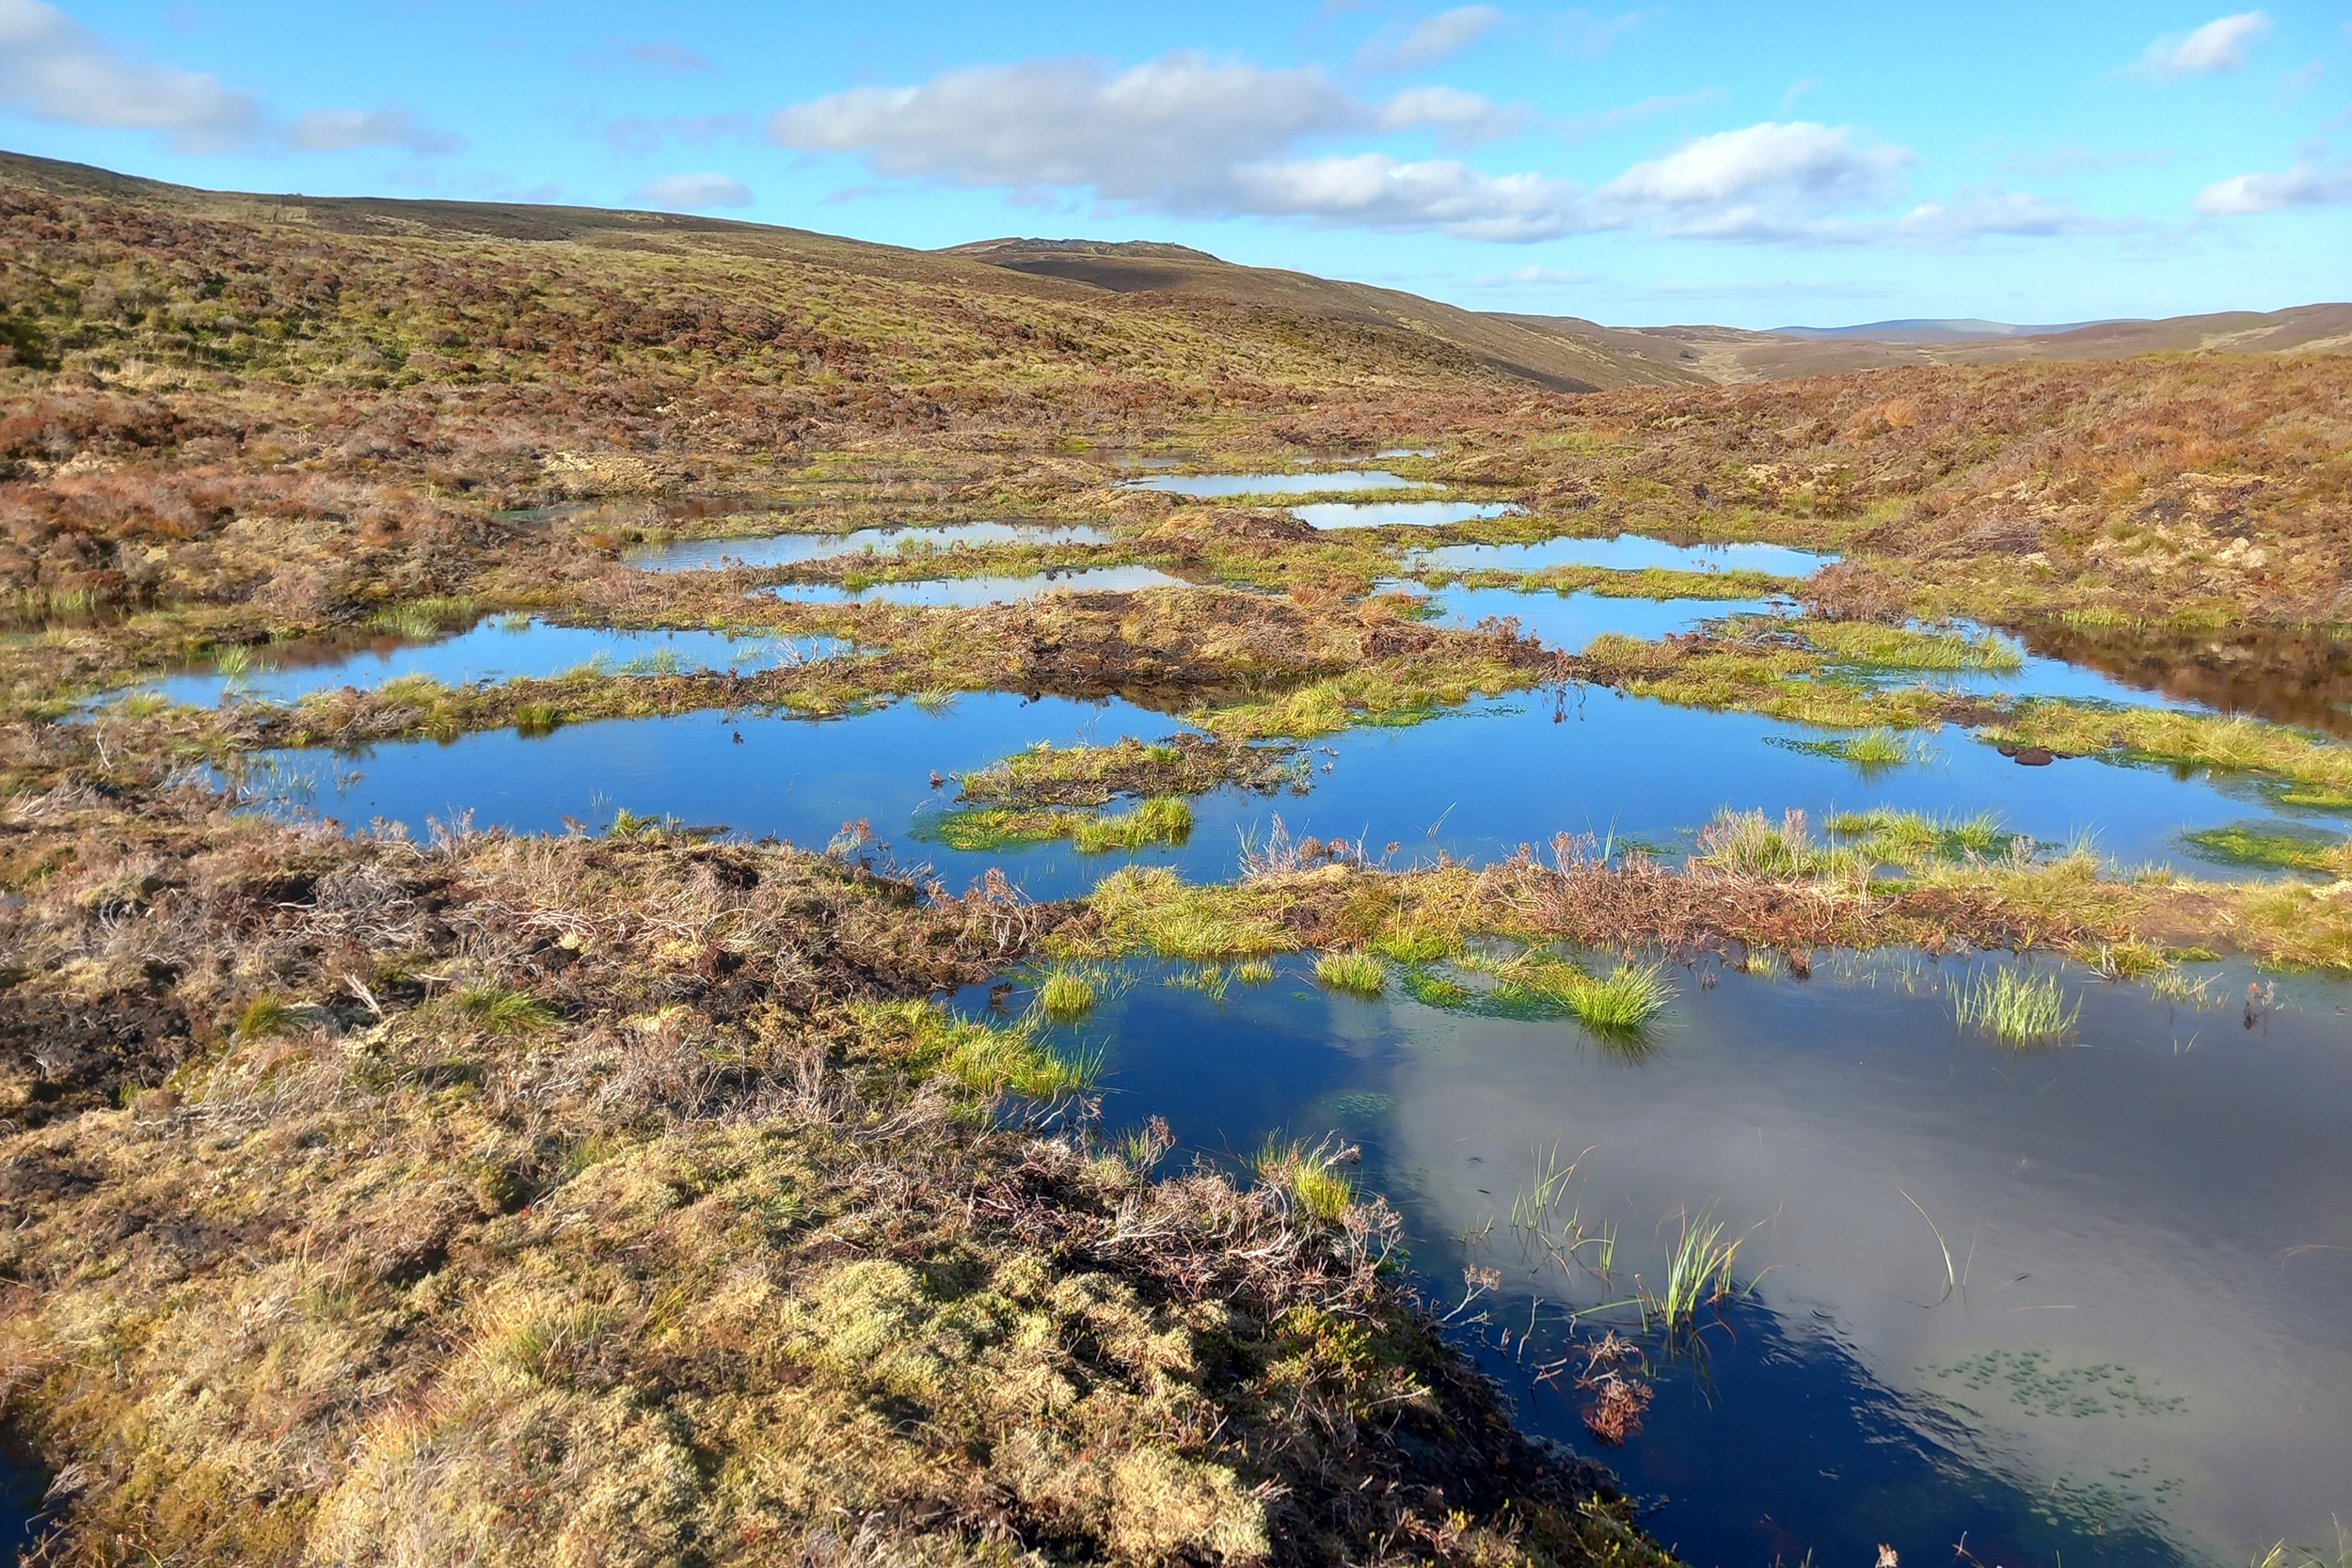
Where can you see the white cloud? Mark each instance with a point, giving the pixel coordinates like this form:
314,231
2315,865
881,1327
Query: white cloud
1431,39
1164,133
2218,46
1459,118
1534,276
688,193
1797,162
1991,210
334,130
2303,186
54,68
1372,190
1582,33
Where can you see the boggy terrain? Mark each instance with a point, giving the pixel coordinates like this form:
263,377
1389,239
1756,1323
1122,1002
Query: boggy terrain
642,1195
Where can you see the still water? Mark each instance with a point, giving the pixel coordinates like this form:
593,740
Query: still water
1603,764
2138,1354
1272,484
967,592
493,650
1625,552
1384,514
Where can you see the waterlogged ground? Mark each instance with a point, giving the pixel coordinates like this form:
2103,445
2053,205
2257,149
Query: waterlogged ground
1625,552
1628,768
1221,485
968,592
496,649
788,549
2137,1355
1385,514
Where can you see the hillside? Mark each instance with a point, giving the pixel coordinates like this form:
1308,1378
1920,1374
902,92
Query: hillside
1564,354
1732,356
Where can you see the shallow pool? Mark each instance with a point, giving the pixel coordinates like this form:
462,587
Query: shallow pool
1335,483
2078,1300
1388,514
1626,552
493,650
968,592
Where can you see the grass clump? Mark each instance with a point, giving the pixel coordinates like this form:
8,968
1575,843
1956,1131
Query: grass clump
1311,1177
1622,1002
266,1014
505,1011
1355,973
1873,751
2016,1009
1163,819
1750,843
1916,840
1152,910
425,618
1069,992
2311,763
1699,1275
982,1057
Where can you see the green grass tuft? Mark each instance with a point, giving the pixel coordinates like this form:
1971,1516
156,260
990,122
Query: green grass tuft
1355,973
2016,1007
1069,992
504,1012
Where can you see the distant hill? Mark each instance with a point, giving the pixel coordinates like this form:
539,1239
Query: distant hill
1575,356
1951,330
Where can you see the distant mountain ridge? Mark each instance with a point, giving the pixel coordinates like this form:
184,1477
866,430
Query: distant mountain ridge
1941,331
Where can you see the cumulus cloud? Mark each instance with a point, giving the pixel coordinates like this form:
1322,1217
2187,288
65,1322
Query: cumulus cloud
333,130
690,193
1770,182
1189,137
1431,39
1458,117
1372,190
2218,46
53,68
2303,186
1165,133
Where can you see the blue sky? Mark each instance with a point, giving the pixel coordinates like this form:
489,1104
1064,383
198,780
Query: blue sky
1752,164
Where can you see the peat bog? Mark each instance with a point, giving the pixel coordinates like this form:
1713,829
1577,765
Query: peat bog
661,895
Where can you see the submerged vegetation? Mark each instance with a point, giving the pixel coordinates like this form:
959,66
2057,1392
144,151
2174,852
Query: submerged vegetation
2016,1007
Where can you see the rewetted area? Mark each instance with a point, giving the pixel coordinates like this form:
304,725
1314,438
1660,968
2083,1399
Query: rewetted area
1473,783
788,549
650,511
2288,677
21,1490
2080,1300
1625,552
1336,483
498,649
1331,515
1569,621
966,593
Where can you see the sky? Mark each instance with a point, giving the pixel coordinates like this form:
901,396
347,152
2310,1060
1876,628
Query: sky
1751,165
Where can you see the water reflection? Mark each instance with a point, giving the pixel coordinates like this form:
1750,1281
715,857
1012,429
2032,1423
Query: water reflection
1601,764
1271,484
1385,514
1570,621
2288,677
786,549
1626,552
969,591
2137,1355
500,649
